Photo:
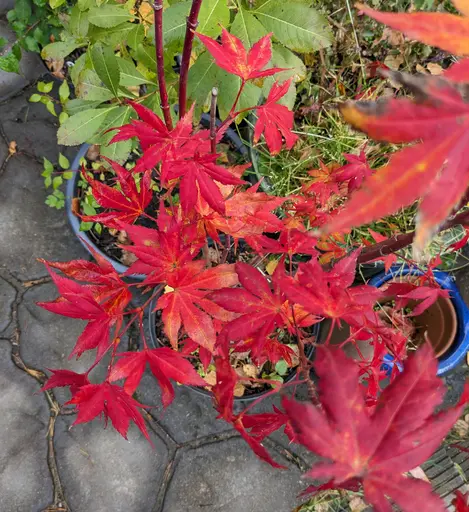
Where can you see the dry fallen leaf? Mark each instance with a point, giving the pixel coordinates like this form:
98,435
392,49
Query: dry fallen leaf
211,378
271,266
461,427
239,389
394,61
12,147
434,68
128,258
76,206
93,152
356,504
419,473
56,67
250,370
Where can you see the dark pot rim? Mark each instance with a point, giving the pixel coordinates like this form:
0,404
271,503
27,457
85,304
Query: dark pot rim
460,346
72,187
155,343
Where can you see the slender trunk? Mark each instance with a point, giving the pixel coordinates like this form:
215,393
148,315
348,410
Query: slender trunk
158,8
191,25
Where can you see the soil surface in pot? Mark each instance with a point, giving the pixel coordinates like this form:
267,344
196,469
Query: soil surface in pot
110,240
243,364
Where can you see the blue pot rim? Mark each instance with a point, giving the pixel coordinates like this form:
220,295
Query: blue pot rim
457,352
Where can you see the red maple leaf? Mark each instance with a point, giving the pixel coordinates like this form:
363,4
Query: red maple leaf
355,171
223,392
199,174
126,204
189,346
105,283
231,55
113,402
275,121
376,448
426,294
158,143
330,294
461,502
390,259
290,242
261,308
188,306
78,301
164,364
63,378
459,245
323,184
160,255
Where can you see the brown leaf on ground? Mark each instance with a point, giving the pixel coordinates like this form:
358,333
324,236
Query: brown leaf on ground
12,148
56,67
93,152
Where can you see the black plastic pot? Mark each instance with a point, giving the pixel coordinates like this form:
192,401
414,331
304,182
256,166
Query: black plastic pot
155,342
230,137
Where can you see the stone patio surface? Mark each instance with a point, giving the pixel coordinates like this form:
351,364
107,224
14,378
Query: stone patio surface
198,464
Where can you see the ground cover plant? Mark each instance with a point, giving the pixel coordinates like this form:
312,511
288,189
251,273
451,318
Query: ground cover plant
214,305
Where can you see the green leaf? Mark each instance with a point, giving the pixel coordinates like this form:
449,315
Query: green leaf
51,108
56,3
82,126
91,88
106,66
98,228
47,181
146,54
113,36
213,15
116,118
107,15
77,105
79,22
118,152
88,209
64,162
67,175
45,86
35,98
174,22
56,182
83,5
136,36
80,64
129,75
295,25
3,42
48,167
23,10
86,226
205,74
59,50
247,28
10,63
51,200
64,91
281,367
63,116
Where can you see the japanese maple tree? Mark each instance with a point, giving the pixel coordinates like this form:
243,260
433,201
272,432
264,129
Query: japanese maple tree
199,242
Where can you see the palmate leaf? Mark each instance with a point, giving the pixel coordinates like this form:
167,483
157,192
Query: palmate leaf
435,169
376,448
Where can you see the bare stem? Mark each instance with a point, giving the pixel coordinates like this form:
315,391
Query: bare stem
158,9
397,242
191,25
213,121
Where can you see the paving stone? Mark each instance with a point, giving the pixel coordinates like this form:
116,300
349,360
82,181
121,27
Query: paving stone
25,483
31,126
228,477
3,151
30,229
103,472
7,297
6,5
190,415
31,65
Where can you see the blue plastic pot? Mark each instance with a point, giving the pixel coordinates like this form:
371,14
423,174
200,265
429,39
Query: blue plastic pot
457,352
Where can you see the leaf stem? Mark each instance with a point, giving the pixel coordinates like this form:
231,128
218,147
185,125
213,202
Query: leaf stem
213,120
191,25
158,10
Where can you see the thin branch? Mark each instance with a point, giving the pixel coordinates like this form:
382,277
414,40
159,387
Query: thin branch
191,25
213,121
158,9
397,242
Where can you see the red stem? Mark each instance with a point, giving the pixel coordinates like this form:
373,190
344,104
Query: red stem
397,242
158,8
191,25
213,121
